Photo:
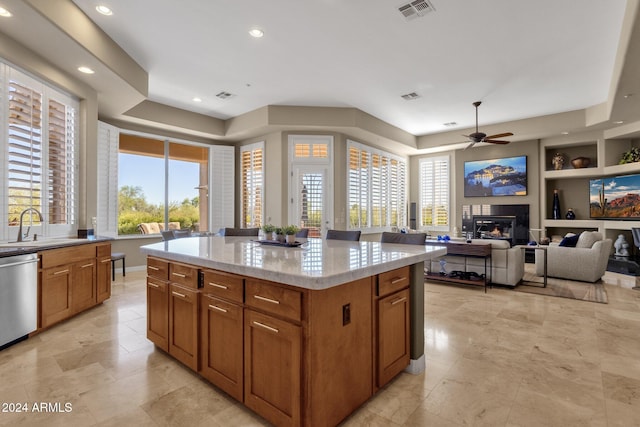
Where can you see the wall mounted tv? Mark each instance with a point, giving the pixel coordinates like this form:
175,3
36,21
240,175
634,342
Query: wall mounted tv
496,177
616,197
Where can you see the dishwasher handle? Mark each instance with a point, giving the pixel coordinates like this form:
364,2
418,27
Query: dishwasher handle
18,263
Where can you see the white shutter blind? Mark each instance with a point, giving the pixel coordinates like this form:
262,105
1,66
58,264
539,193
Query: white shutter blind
434,192
61,176
358,184
24,152
397,193
107,212
222,187
252,185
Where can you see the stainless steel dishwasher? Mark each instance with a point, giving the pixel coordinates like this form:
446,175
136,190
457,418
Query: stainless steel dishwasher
18,297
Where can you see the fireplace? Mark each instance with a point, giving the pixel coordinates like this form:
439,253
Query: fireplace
508,222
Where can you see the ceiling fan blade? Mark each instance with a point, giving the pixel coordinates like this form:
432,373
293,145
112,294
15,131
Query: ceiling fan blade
495,141
499,135
470,145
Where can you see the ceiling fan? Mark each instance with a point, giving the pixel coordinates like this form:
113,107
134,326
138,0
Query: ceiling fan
477,137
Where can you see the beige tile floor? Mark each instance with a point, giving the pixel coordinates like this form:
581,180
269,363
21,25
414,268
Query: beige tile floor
502,358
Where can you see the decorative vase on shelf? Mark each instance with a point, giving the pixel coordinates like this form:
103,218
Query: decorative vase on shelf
556,205
558,161
570,214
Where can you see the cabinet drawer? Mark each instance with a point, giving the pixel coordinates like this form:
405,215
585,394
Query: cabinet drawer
63,256
157,268
223,285
158,285
274,299
103,250
394,280
184,275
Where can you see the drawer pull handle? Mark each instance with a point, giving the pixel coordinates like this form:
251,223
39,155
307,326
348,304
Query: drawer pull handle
154,285
151,267
218,285
178,294
86,265
215,307
269,328
399,300
61,272
397,280
272,301
179,275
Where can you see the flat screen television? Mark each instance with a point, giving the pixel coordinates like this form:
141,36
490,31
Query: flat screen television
496,177
616,197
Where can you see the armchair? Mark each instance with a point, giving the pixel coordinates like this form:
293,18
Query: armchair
586,262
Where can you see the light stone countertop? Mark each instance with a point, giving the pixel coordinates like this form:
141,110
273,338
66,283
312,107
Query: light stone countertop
317,264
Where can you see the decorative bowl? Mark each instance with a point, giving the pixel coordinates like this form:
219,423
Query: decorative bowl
581,162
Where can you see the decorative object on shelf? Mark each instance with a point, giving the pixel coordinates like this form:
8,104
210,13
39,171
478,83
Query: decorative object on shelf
630,156
556,206
558,161
622,247
570,214
581,162
443,265
444,238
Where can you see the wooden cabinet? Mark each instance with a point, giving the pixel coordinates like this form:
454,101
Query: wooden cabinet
392,325
158,302
55,295
69,280
103,272
183,324
83,285
221,344
272,368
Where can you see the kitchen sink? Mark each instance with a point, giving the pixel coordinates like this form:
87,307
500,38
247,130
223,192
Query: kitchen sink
38,243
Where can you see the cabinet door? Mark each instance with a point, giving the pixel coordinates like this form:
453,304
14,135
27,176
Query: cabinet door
55,302
158,313
103,276
393,336
183,325
272,368
221,344
83,285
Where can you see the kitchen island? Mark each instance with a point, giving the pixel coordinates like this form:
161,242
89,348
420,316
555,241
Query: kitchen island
301,335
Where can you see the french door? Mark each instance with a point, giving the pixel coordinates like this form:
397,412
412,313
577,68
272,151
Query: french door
310,199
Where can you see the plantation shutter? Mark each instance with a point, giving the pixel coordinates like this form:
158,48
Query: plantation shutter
221,189
61,171
397,194
434,192
252,185
24,152
358,185
107,215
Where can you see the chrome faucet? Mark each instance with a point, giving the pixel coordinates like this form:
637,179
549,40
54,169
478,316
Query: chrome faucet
19,239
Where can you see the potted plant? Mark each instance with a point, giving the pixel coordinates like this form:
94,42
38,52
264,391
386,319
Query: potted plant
290,231
278,234
268,230
630,156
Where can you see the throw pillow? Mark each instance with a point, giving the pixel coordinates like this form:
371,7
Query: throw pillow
588,238
570,241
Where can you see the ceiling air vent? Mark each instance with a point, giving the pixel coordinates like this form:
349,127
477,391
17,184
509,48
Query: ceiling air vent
416,9
410,96
224,95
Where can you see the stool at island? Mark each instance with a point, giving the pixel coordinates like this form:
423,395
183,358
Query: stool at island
115,256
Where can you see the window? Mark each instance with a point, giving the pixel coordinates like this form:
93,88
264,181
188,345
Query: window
144,179
376,189
252,177
39,154
434,193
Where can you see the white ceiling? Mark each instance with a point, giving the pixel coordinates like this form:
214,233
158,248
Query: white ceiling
522,59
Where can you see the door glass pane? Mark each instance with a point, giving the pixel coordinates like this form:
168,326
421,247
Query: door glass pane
311,202
188,187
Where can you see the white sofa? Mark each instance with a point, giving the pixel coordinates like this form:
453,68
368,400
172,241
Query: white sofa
507,263
587,262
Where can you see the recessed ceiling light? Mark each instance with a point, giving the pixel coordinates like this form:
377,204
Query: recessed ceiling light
256,32
618,122
104,10
86,70
196,99
4,12
627,96
564,133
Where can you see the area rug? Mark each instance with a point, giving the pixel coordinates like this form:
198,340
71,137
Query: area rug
583,291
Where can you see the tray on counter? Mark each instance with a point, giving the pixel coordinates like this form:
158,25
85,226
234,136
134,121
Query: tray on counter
276,243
